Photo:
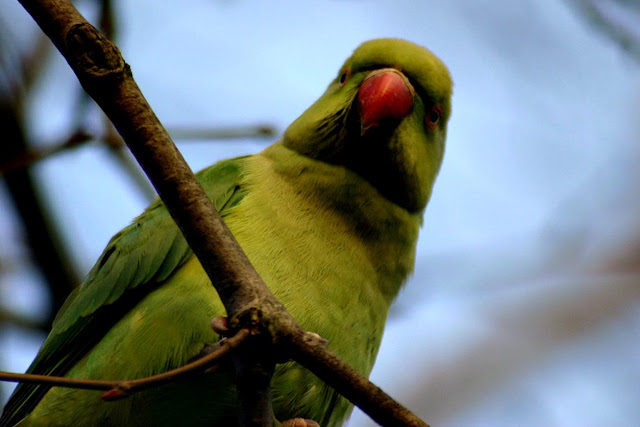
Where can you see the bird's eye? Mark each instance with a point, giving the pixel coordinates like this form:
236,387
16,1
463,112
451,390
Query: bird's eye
343,77
433,118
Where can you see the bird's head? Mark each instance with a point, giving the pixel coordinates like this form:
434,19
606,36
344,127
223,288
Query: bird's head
383,117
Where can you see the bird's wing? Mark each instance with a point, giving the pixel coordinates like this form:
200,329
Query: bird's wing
136,261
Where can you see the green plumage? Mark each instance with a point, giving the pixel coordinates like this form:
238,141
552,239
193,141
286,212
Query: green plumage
328,215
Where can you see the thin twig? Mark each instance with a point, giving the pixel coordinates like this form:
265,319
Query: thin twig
57,381
123,388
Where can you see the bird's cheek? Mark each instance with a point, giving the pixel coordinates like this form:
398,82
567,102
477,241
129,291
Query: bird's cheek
385,95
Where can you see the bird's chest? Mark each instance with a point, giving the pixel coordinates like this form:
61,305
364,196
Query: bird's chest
321,266
328,276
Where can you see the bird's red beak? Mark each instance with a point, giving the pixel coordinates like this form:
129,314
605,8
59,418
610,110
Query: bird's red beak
384,94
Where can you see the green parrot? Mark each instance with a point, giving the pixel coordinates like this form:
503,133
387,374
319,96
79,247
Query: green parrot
329,216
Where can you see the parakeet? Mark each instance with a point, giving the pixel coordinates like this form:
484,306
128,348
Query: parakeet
329,216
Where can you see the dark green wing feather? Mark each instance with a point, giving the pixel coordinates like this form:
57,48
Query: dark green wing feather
135,262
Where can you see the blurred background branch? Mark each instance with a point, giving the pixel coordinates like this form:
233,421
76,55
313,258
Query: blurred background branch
617,19
113,141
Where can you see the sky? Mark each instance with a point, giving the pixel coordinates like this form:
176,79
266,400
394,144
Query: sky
524,306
